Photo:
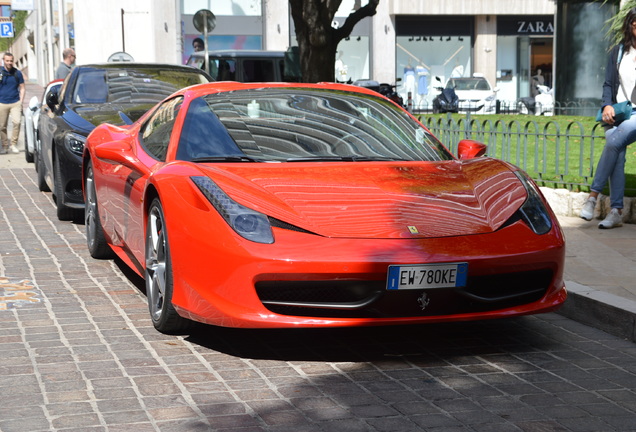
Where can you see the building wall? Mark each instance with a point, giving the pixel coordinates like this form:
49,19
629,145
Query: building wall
471,7
149,32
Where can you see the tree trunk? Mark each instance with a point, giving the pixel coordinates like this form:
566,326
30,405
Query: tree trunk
317,63
317,39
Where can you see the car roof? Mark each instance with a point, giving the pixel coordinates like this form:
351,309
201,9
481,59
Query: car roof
132,65
229,86
240,53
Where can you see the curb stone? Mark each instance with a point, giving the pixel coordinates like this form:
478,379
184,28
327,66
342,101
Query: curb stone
608,312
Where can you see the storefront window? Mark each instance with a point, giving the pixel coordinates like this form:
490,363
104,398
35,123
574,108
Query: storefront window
426,62
223,7
524,56
352,59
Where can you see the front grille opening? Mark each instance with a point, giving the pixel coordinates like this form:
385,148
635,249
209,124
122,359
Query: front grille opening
370,299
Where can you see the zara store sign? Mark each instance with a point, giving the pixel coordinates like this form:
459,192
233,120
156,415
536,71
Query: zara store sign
533,25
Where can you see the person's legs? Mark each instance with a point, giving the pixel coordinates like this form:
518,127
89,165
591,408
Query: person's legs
617,180
616,141
15,113
611,167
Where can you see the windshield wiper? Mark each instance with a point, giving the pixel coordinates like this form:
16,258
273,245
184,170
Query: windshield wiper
225,159
340,159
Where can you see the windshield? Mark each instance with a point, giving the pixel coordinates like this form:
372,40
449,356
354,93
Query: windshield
296,124
468,84
132,85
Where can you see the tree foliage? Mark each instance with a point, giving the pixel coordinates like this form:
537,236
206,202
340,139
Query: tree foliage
318,39
614,25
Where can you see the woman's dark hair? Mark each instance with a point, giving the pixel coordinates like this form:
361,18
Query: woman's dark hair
628,35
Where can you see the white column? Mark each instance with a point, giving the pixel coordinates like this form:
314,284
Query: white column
275,25
485,55
383,44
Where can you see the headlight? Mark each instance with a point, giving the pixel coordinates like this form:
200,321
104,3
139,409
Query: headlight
75,143
247,223
533,211
491,98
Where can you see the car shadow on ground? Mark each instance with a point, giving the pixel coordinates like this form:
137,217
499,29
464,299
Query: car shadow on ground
429,343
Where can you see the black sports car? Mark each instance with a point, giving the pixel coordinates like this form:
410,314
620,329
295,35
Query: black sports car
92,94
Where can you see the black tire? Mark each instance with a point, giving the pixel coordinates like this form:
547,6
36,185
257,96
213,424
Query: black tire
39,169
158,275
64,213
28,156
95,239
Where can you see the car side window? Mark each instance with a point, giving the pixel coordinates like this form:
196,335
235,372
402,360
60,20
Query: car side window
223,69
91,87
155,133
203,135
258,70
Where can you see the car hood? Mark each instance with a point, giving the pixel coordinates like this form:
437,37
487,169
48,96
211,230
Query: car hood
379,200
86,117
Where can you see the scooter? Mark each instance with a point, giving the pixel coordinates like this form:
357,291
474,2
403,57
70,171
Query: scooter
446,100
541,104
388,91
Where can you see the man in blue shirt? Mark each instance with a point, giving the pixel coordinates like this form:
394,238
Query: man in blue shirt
11,95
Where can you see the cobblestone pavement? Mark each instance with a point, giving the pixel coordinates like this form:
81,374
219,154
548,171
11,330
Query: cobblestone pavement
78,353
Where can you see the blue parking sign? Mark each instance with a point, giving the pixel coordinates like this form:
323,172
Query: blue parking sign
6,29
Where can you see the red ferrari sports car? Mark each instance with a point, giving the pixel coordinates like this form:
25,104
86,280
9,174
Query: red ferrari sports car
314,205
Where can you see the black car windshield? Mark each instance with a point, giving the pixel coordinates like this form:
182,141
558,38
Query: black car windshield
468,84
299,124
132,85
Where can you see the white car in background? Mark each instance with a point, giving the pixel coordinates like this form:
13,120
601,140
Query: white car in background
31,117
476,95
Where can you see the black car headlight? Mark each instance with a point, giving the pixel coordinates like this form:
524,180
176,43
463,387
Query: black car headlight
75,143
247,223
533,211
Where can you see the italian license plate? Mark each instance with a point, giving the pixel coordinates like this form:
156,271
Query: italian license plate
422,276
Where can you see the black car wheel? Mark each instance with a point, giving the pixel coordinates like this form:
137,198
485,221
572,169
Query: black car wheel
159,282
64,213
39,169
95,238
27,155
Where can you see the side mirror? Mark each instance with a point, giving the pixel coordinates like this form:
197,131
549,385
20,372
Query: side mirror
52,98
469,149
120,152
34,103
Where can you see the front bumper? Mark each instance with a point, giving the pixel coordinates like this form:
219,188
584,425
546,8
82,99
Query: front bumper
309,281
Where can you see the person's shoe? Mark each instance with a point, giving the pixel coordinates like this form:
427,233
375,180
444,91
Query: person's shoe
587,212
14,149
4,150
614,219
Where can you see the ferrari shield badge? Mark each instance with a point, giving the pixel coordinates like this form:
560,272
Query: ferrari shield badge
423,301
413,229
